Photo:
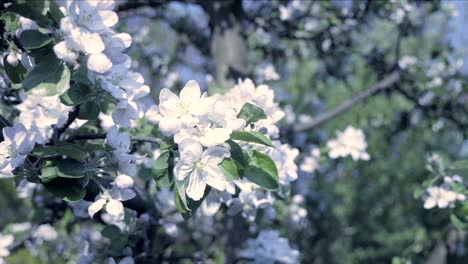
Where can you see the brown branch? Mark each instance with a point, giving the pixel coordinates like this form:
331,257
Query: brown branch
348,103
103,136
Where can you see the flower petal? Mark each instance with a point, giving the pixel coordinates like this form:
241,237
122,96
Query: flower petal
196,186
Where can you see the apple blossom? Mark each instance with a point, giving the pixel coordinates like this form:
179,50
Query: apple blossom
16,145
350,142
201,167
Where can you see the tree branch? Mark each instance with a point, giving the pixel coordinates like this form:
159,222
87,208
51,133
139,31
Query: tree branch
348,103
103,136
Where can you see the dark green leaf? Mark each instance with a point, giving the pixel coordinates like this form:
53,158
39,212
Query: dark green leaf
71,190
69,168
89,111
251,136
251,113
49,77
162,169
71,150
33,39
77,94
15,73
193,205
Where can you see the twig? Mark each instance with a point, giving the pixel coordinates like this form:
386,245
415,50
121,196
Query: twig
348,103
102,136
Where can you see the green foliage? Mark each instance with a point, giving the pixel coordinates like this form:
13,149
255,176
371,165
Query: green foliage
15,73
49,77
262,170
163,169
251,136
70,190
251,113
33,39
229,168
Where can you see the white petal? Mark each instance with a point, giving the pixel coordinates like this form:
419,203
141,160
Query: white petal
183,169
190,149
214,177
169,125
99,63
215,155
96,207
196,186
429,203
124,181
115,208
191,91
215,137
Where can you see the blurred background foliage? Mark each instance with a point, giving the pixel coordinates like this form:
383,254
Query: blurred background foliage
325,52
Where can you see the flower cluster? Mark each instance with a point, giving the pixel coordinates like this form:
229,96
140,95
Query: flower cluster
269,247
350,142
87,30
443,196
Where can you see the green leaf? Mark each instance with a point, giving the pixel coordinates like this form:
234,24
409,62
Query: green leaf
81,76
262,171
15,73
49,77
260,177
162,169
11,22
55,12
69,168
48,174
251,113
251,136
70,190
77,94
89,111
179,203
71,150
33,39
458,223
111,232
179,196
459,167
193,205
236,153
35,10
229,168
264,162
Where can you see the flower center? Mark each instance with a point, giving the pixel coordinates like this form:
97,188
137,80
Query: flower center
116,78
84,19
200,166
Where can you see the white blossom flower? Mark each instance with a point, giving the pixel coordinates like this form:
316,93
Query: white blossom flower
99,63
441,197
5,242
16,145
269,247
200,167
177,111
284,157
311,162
113,203
350,142
124,181
45,232
39,113
124,112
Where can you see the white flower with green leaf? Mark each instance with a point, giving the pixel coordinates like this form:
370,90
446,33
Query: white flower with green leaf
198,167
